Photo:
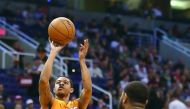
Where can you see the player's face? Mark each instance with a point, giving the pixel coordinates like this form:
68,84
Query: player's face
63,86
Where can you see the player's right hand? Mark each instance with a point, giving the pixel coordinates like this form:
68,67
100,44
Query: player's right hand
55,47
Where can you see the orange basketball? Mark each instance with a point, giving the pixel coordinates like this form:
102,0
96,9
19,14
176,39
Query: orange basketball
61,30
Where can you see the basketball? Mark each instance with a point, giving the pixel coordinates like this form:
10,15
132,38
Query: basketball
61,31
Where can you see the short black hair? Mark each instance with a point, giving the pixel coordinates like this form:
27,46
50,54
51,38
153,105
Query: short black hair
137,92
71,82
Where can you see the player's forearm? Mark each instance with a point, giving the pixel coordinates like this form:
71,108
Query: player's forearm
86,78
47,70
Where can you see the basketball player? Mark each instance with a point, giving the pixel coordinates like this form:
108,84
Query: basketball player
134,96
63,85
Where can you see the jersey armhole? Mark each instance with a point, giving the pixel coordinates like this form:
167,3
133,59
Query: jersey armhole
51,101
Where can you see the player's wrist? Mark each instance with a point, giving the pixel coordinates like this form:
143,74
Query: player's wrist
81,59
53,52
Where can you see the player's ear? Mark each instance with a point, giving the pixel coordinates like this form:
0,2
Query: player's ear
72,90
125,98
146,102
54,90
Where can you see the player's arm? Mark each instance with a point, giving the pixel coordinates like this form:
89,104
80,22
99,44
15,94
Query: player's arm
45,95
86,93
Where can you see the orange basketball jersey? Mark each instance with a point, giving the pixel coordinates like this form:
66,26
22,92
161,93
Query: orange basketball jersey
58,104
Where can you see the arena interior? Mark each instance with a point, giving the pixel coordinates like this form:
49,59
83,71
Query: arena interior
144,40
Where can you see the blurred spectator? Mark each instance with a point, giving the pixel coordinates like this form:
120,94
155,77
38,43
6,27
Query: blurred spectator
26,13
155,99
18,48
91,105
101,104
27,68
29,104
15,69
187,101
105,107
124,82
132,60
1,99
73,44
175,102
37,66
41,53
93,26
1,103
25,80
2,92
80,32
96,72
35,73
142,71
18,102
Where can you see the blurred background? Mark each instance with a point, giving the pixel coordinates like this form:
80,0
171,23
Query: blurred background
145,40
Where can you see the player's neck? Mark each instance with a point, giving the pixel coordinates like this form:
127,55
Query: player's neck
64,98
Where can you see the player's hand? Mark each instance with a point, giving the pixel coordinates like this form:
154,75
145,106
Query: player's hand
55,47
83,49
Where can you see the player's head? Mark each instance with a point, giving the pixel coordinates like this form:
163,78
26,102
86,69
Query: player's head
63,86
134,94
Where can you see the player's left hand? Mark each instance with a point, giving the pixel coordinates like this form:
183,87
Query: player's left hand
83,49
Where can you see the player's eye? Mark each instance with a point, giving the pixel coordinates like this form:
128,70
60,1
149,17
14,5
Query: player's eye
65,82
57,82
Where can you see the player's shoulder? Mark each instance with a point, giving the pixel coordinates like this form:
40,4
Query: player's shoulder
73,104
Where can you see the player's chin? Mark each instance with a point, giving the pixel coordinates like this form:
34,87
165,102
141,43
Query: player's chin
60,94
